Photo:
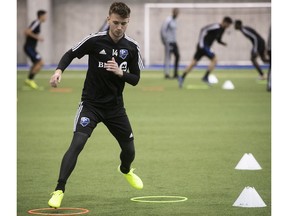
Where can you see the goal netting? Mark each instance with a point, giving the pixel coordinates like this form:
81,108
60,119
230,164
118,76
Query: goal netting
194,16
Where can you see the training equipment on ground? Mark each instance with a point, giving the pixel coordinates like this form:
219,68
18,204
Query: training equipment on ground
228,85
249,198
248,162
212,79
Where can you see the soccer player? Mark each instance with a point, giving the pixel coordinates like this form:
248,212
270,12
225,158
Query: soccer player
258,46
32,37
208,35
114,59
168,37
269,54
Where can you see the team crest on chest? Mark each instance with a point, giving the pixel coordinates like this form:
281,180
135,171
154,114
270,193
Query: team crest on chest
123,53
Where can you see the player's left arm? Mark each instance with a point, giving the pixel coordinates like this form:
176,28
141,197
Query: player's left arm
132,77
219,39
135,65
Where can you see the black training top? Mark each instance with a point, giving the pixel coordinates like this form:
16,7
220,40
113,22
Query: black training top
253,36
35,26
103,88
209,34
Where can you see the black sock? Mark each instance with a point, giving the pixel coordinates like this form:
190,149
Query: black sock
184,75
61,185
31,76
124,170
127,155
206,74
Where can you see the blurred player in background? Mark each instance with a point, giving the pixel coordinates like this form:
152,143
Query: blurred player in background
269,54
114,59
168,37
208,35
258,48
32,37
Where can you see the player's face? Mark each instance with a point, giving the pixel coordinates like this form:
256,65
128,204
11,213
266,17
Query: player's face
43,18
118,26
226,25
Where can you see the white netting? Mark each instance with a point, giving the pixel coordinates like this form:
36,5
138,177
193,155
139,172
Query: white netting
191,20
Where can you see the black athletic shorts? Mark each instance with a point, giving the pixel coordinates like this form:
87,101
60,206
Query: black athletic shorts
32,53
260,48
116,120
206,51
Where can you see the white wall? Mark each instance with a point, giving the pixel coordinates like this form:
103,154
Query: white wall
71,20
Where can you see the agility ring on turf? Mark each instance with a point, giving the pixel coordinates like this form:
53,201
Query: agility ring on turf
159,199
59,211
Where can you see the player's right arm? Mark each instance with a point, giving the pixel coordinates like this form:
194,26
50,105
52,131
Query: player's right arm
56,78
63,64
78,51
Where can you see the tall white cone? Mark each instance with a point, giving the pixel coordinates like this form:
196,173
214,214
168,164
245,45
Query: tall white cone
212,79
248,162
249,198
228,85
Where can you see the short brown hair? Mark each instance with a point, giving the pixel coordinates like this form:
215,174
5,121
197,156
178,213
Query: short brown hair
41,13
120,8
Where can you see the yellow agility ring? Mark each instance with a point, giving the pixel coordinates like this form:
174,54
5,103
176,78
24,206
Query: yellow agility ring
59,211
159,199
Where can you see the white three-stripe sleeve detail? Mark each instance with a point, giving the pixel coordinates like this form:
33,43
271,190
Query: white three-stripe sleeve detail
35,24
204,31
140,61
255,44
87,38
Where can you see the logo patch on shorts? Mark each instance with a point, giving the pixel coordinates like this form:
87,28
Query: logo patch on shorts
84,121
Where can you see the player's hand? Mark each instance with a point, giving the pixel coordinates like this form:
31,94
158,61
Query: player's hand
112,66
56,78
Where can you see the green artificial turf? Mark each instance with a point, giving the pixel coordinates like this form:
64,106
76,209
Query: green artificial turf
188,142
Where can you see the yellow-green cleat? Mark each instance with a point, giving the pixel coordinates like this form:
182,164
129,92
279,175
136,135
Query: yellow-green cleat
31,83
132,178
56,199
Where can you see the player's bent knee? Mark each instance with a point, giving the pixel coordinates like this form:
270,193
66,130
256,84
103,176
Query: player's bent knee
78,141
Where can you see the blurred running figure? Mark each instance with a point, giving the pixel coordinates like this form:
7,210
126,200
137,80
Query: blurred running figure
168,37
208,35
269,54
32,37
258,46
